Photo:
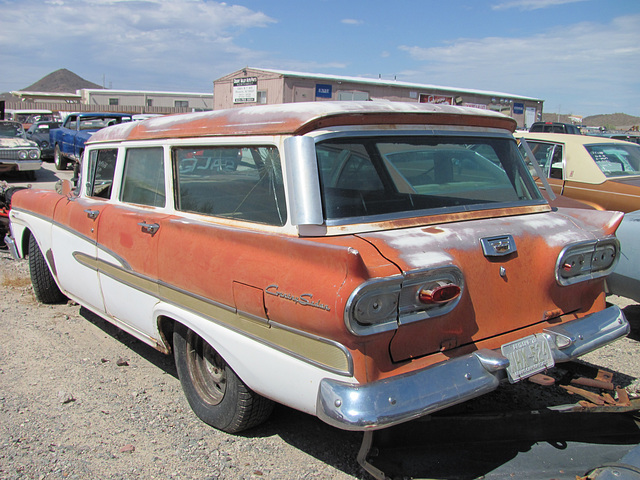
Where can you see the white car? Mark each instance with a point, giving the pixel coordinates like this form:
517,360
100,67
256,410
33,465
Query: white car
17,154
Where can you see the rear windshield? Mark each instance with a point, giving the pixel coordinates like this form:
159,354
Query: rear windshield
406,175
616,160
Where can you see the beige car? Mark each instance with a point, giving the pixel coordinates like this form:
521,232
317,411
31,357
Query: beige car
601,172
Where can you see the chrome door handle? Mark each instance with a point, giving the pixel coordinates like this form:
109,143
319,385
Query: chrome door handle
150,228
92,214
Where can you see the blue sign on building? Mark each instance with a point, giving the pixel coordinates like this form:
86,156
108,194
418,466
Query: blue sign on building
323,91
518,108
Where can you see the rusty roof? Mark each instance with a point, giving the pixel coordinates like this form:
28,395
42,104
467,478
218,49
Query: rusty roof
300,118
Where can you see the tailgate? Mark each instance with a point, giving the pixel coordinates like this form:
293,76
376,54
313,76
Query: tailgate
501,293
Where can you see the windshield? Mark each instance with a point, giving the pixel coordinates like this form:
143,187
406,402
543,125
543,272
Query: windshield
96,123
374,176
11,130
615,160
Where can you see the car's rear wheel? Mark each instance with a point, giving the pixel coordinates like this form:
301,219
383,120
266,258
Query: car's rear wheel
44,286
58,158
214,391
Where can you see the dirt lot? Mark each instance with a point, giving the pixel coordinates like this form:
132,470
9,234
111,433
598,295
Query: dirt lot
80,399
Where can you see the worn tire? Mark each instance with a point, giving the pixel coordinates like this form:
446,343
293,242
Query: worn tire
214,391
44,286
58,158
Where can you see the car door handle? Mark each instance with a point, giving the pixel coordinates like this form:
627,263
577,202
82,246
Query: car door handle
93,214
150,228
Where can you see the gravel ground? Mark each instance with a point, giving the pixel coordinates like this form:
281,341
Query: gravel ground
81,399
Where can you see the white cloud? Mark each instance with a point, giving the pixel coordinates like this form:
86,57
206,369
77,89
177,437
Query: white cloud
136,40
605,58
531,4
351,21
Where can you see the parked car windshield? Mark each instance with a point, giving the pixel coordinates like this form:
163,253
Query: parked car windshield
11,130
405,175
615,160
96,123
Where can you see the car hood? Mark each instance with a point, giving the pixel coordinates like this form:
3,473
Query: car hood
16,142
499,293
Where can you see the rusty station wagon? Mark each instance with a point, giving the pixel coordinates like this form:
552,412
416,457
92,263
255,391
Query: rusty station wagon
368,263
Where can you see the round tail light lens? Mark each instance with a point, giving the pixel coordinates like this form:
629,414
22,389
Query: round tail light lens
437,294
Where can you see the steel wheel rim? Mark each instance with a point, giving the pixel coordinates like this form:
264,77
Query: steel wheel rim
207,369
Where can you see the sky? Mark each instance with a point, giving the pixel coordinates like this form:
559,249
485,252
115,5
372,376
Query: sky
581,57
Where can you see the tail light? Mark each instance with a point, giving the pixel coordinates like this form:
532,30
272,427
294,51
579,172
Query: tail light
383,304
587,260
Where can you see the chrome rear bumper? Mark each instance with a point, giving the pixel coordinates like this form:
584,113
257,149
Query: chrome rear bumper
11,245
398,399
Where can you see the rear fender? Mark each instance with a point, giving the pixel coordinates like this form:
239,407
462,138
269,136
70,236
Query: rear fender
599,222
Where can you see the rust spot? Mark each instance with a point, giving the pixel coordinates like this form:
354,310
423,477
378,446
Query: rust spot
433,230
549,314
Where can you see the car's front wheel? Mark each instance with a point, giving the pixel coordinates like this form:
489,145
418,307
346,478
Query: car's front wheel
58,158
214,391
44,286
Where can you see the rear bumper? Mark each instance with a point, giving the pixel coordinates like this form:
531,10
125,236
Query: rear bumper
398,399
11,245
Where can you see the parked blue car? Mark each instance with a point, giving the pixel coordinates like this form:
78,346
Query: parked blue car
68,140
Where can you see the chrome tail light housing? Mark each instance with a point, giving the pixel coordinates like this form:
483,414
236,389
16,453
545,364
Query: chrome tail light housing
382,304
587,260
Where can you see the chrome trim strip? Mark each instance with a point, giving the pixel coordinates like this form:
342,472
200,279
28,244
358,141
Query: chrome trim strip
433,212
394,400
318,351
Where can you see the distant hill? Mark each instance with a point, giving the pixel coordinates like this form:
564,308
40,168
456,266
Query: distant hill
619,121
61,81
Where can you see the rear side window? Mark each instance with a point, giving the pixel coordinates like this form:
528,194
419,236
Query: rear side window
102,164
616,160
143,181
241,183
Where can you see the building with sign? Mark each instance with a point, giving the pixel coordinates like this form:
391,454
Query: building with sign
254,86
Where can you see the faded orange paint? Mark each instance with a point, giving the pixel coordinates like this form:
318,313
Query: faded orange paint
296,119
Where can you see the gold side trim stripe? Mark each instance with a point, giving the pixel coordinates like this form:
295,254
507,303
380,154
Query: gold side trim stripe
318,351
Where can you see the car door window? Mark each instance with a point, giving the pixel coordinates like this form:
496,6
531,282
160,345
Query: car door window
548,156
143,180
555,168
101,168
242,183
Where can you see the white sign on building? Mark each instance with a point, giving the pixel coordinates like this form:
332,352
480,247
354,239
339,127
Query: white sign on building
245,90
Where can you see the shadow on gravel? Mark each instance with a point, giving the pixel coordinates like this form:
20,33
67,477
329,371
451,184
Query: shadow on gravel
160,360
332,446
335,447
632,312
42,176
522,445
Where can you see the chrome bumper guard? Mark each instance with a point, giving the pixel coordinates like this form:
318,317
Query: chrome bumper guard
405,397
11,245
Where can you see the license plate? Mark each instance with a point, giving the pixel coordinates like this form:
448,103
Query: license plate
527,356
